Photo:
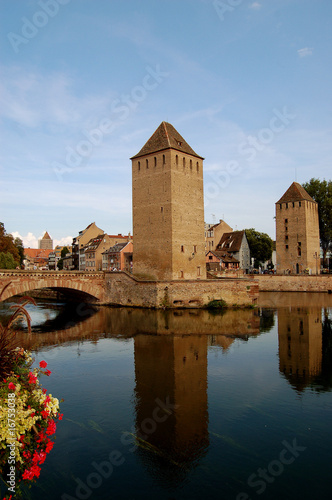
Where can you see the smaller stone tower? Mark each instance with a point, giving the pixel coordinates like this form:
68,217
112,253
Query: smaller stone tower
46,243
297,232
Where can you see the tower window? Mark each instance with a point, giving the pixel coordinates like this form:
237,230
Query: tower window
293,204
147,163
286,221
198,271
164,159
197,166
155,161
286,246
161,209
177,160
139,165
182,248
286,237
195,248
286,205
280,205
184,162
299,203
191,165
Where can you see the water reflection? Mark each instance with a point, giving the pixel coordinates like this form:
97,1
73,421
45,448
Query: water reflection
171,400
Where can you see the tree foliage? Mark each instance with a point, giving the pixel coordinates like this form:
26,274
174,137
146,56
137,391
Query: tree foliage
8,246
321,192
261,246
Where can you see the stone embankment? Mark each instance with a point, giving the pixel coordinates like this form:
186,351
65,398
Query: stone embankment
294,283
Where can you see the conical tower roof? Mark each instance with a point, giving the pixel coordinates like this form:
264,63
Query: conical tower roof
295,192
46,236
166,137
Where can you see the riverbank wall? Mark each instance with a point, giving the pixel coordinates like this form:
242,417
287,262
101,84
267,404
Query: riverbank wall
294,283
125,290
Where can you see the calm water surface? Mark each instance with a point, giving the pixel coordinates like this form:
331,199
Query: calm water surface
189,404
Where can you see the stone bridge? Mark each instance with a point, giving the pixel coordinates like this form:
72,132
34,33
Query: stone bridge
76,284
122,289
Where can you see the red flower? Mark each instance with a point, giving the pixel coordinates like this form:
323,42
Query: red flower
48,372
51,428
11,386
60,416
49,446
44,391
45,414
32,378
43,364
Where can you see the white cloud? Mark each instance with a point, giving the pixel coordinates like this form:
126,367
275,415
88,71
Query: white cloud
66,241
306,51
29,241
255,6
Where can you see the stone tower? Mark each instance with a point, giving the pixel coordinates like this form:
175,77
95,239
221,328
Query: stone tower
168,208
297,232
46,243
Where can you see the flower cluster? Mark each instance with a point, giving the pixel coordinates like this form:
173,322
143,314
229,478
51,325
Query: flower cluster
28,417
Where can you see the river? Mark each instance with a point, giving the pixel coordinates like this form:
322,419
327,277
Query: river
188,404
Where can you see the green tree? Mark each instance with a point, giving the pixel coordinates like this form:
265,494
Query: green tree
7,244
261,246
321,192
7,261
64,252
19,245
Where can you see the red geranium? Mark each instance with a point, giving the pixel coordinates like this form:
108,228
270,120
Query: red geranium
43,364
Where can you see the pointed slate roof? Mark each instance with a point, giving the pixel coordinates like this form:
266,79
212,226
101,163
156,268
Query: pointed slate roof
166,137
295,192
46,236
231,242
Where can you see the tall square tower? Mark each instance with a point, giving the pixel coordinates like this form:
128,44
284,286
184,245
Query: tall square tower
297,232
168,208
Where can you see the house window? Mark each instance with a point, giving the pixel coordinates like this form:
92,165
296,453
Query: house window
210,257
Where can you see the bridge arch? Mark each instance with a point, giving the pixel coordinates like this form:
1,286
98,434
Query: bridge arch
81,286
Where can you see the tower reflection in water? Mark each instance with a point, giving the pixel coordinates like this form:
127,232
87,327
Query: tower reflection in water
304,335
171,401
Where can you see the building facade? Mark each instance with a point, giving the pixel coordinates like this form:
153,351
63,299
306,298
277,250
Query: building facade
237,246
213,234
297,232
46,242
168,208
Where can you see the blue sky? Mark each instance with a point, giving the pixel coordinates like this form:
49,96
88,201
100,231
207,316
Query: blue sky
84,84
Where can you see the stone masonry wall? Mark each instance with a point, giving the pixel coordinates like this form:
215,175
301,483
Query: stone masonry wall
299,283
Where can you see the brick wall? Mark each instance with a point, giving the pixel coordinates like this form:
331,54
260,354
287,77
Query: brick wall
290,283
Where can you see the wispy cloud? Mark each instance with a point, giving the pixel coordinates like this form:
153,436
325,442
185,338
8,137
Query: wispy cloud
255,6
306,51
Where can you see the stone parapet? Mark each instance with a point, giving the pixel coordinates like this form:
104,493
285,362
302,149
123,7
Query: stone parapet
294,283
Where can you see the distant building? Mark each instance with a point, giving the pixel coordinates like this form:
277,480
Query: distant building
297,232
214,232
79,242
218,261
46,242
119,257
236,245
36,258
93,251
168,208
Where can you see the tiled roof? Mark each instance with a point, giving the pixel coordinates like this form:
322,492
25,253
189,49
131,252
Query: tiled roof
46,236
295,193
116,248
166,137
224,256
231,242
37,253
